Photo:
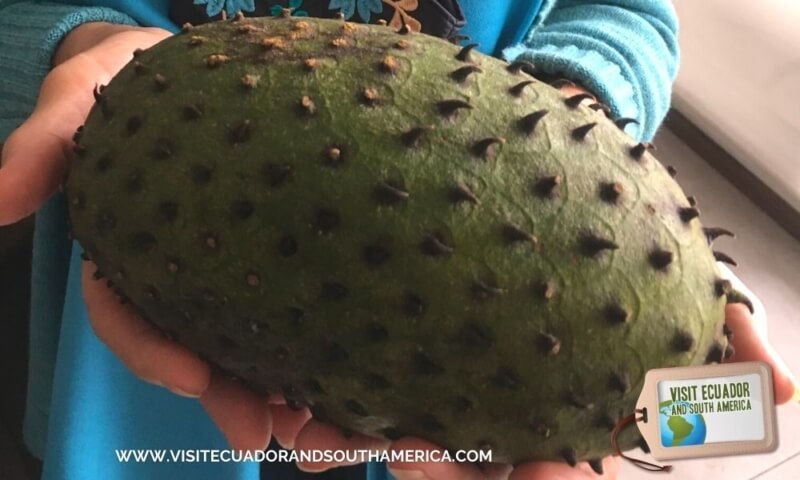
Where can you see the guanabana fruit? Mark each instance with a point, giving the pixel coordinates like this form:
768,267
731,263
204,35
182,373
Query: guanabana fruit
405,235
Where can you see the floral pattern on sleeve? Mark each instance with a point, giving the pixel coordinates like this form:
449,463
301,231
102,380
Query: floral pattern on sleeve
396,13
214,7
401,16
294,7
366,8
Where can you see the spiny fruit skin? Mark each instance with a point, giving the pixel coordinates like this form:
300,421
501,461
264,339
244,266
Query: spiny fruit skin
409,237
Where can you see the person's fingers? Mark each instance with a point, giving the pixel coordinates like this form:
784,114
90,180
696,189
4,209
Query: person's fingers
750,344
440,470
319,436
34,162
287,423
562,471
145,350
35,156
242,415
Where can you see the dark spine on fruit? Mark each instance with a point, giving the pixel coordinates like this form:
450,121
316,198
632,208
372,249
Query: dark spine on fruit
462,193
724,258
518,89
483,148
683,341
423,365
735,296
529,122
388,194
712,233
133,124
355,408
462,74
729,352
624,122
715,353
457,38
722,287
192,112
545,290
514,234
160,82
307,106
547,187
726,330
579,134
370,97
465,54
413,305
638,150
484,291
688,214
575,100
506,378
240,132
337,353
549,343
404,28
333,291
412,137
389,65
570,456
521,66
375,255
615,314
578,401
448,108
660,259
610,192
592,245
562,82
620,381
434,246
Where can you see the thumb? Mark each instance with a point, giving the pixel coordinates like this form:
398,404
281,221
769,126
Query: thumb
34,162
750,344
35,156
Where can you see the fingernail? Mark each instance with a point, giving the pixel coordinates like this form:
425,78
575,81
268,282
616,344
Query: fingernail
408,474
182,392
310,468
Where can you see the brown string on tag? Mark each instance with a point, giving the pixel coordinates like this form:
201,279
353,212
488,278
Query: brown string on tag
651,467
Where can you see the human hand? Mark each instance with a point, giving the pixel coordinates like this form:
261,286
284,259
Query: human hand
35,156
34,160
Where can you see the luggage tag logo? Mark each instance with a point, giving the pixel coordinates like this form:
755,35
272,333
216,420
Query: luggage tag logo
705,411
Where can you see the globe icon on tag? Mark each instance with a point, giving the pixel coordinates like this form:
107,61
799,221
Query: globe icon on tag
680,430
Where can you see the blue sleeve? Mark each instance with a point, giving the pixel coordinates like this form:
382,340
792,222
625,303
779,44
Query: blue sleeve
29,33
625,51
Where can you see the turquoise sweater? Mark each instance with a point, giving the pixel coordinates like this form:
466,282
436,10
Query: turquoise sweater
624,50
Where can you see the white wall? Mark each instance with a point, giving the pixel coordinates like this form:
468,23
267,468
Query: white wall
740,82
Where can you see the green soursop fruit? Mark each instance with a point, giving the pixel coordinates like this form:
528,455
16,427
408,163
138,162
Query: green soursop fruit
407,236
